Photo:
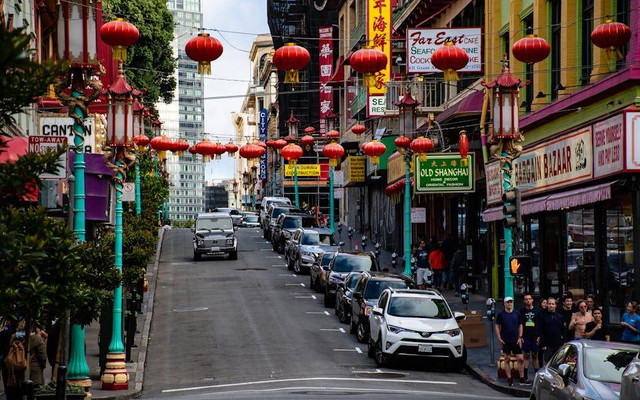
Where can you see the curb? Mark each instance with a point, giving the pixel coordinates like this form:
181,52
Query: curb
144,343
489,380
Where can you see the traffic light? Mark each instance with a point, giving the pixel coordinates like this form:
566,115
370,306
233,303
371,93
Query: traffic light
520,265
511,208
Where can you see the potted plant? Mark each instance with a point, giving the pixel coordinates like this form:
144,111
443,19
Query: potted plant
48,392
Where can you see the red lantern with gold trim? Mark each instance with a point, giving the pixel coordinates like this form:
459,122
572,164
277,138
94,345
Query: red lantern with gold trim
307,141
206,149
333,136
610,36
358,129
119,34
334,152
291,153
291,58
374,149
261,144
161,144
279,144
368,61
231,148
180,146
289,139
421,146
251,151
531,49
141,141
309,130
218,150
449,59
402,143
203,49
463,143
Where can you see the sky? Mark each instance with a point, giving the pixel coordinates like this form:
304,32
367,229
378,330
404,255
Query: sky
249,16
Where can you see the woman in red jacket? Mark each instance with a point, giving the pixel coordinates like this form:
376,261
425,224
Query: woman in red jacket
437,261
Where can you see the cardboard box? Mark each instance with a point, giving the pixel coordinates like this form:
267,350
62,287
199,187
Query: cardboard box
475,334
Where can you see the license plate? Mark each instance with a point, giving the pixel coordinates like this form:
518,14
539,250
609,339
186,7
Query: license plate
425,348
215,249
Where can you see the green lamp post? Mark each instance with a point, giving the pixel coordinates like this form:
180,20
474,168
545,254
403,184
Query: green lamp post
141,141
77,38
118,157
293,152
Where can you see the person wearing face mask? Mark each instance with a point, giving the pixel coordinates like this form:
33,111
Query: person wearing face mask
596,329
579,320
551,328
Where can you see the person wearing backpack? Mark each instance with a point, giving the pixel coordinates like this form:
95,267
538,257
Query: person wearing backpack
37,358
6,331
16,365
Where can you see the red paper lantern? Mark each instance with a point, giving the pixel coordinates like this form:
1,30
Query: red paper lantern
206,149
610,36
307,141
334,152
333,136
289,139
251,151
463,143
374,149
421,146
531,49
270,143
291,58
231,148
203,49
180,146
291,153
119,34
141,141
218,150
309,130
358,129
161,144
193,150
261,144
402,143
449,59
368,61
388,190
279,144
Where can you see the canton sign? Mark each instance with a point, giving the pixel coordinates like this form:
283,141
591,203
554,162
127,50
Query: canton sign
57,126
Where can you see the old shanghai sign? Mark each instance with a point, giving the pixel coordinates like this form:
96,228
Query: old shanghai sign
421,43
442,173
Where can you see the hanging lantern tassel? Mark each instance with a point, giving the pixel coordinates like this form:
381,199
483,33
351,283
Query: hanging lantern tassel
291,76
333,162
451,75
120,53
204,67
375,160
162,155
369,80
422,157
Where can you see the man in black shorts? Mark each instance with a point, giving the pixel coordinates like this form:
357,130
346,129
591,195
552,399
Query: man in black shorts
509,332
529,317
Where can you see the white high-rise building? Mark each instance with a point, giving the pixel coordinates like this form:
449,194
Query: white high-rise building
184,116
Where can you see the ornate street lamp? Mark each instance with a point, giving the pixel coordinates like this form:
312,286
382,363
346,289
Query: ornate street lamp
77,45
292,124
235,192
141,141
254,182
332,121
334,152
407,113
246,181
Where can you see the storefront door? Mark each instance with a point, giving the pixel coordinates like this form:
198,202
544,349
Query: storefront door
552,239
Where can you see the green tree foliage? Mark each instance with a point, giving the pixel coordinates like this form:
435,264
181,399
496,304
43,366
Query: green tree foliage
150,63
21,78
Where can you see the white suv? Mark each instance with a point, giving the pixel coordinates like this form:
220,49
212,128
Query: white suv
416,323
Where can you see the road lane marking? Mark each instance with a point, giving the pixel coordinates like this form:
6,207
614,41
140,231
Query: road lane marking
306,297
182,263
265,250
190,309
273,257
240,384
358,350
294,284
291,275
318,312
341,330
346,350
378,370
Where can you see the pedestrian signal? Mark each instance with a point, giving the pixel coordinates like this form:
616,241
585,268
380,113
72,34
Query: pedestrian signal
520,265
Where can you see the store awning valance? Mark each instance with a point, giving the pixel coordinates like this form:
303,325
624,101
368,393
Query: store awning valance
558,201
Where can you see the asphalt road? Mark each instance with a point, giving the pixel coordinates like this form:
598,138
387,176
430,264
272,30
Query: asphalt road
250,328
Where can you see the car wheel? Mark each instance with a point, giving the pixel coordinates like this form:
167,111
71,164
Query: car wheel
361,332
281,247
342,315
233,255
371,348
312,284
273,246
196,256
352,326
296,267
327,299
379,356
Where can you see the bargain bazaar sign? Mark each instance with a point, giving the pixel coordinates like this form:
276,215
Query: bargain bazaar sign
422,43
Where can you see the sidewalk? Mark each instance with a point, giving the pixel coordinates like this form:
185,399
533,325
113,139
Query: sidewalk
478,358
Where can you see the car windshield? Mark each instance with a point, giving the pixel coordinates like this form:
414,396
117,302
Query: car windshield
326,259
298,222
348,263
606,364
353,281
318,239
419,307
374,288
276,212
221,223
251,218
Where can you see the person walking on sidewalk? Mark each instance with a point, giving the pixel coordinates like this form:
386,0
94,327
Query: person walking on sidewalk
596,329
437,261
509,332
551,327
580,320
458,268
631,324
529,315
422,260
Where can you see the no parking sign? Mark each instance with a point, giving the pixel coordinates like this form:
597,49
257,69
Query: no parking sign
129,191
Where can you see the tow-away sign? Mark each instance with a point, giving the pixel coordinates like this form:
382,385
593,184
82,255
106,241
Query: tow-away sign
40,144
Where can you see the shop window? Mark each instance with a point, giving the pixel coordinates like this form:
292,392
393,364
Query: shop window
587,46
532,249
619,259
556,48
580,258
551,261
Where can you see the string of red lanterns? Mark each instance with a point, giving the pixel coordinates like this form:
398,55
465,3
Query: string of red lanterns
204,49
368,61
119,34
291,58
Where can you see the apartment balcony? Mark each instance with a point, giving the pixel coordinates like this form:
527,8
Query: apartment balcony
357,34
360,101
432,93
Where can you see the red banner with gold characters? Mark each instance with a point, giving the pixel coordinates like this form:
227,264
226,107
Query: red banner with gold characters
379,37
325,46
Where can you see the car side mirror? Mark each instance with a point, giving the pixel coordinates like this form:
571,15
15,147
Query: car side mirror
459,316
377,311
564,370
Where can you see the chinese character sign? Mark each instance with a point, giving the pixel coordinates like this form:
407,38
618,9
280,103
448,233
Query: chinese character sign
326,71
379,37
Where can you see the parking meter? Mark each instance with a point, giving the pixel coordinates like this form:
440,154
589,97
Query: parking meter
350,232
364,242
394,259
377,247
429,278
340,227
464,294
491,316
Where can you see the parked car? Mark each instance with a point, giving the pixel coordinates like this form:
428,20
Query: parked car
306,246
339,268
235,215
630,387
584,369
266,201
213,234
273,212
368,289
285,225
415,323
250,220
344,295
317,272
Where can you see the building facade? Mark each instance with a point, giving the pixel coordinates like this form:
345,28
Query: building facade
216,196
184,116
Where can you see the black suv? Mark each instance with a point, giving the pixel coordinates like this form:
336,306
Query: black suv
273,212
285,225
365,296
344,296
341,265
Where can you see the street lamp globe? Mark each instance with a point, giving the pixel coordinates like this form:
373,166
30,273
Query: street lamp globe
292,123
246,179
120,111
77,33
332,121
407,114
